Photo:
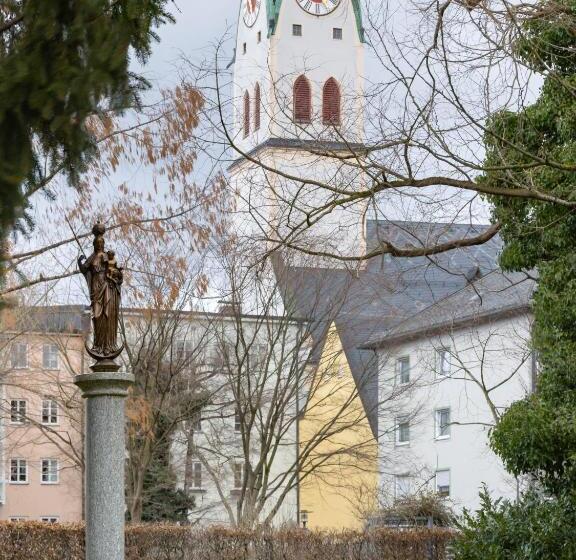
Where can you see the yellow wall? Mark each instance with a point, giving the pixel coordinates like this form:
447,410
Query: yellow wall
338,475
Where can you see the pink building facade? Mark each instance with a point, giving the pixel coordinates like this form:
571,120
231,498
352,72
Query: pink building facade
41,414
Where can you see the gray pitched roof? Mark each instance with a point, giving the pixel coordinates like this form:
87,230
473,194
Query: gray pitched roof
390,290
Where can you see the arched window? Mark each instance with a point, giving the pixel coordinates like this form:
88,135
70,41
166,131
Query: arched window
302,100
246,114
331,102
257,105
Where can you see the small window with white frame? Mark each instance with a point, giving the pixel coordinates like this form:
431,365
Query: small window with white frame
18,471
297,30
18,519
50,356
49,519
402,486
50,471
197,475
19,355
402,431
197,420
444,359
442,423
238,475
337,33
403,370
18,411
237,421
443,483
49,412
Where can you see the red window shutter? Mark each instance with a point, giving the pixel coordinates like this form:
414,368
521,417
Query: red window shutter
302,100
257,103
246,114
331,102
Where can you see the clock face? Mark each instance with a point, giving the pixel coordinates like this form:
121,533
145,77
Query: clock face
250,9
318,7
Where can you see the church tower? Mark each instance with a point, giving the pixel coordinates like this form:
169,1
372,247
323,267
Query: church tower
298,123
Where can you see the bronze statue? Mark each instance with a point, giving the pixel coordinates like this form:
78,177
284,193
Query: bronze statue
104,279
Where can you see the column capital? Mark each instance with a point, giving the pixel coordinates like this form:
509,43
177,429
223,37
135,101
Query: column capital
104,384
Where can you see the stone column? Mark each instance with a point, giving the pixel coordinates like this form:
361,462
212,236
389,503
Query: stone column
105,391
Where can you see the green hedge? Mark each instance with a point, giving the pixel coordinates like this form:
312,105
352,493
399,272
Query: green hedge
40,541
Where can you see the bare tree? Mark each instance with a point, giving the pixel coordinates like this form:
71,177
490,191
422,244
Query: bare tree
439,71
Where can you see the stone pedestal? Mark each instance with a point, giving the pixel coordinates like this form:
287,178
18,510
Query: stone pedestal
105,393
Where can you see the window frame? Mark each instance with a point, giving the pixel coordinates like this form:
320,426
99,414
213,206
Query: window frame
237,421
239,475
438,426
405,477
436,486
402,421
440,361
246,124
56,356
15,354
52,411
297,30
197,478
19,462
16,416
50,471
302,114
400,371
331,102
337,31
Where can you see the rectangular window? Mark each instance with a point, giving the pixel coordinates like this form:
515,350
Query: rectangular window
402,486
443,423
197,475
444,361
49,519
244,48
443,483
237,421
197,420
402,431
259,36
297,30
19,355
49,411
17,519
403,370
18,471
238,475
50,356
337,33
17,411
49,471
258,354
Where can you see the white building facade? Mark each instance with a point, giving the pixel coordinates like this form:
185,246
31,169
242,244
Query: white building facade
445,378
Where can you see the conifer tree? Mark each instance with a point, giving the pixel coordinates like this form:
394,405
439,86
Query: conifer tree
62,61
536,437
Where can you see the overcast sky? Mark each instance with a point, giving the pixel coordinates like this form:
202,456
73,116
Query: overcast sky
199,23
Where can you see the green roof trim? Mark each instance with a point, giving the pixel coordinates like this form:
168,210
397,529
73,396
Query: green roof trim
273,11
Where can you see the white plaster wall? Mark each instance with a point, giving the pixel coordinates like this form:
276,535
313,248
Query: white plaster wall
268,200
494,350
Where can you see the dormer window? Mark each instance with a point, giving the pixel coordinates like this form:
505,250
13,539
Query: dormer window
297,30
